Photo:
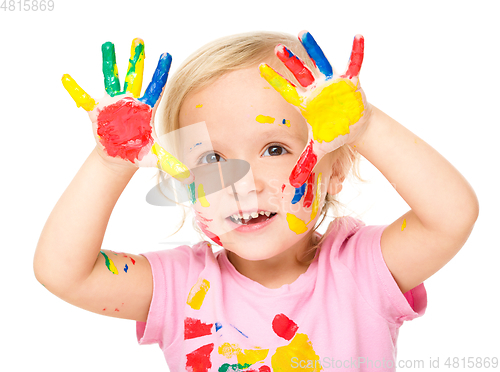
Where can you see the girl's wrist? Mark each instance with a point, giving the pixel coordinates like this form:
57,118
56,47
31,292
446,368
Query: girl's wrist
117,166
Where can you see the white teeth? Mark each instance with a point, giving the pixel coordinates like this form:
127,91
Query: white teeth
261,213
246,216
267,213
255,214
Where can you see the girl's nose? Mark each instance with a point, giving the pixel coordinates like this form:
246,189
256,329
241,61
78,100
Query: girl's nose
246,185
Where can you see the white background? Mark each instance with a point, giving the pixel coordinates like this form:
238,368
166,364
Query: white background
432,65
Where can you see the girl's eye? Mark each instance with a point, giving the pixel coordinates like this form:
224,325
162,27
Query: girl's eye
211,158
275,150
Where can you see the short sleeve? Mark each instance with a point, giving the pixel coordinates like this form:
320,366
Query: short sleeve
361,253
170,270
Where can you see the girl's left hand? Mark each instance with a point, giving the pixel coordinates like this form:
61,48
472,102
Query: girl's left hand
333,105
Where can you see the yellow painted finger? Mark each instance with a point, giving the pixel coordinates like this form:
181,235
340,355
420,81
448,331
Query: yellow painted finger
133,80
170,163
81,98
287,90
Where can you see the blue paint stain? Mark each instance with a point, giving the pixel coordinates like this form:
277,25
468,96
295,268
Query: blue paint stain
126,268
239,330
299,192
199,143
192,192
154,89
317,55
217,326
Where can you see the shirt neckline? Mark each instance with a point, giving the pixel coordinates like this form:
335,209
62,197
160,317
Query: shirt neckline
253,286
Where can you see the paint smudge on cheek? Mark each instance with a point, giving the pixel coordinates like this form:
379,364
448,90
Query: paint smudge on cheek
124,128
109,263
299,192
300,348
331,112
296,224
192,192
199,359
284,327
194,328
197,293
310,191
201,196
317,198
304,166
264,119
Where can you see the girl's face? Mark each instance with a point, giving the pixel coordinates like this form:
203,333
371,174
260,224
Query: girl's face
247,119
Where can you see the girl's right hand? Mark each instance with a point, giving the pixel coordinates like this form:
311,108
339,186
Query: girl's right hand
122,123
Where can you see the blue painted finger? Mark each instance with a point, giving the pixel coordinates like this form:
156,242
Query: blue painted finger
155,87
316,54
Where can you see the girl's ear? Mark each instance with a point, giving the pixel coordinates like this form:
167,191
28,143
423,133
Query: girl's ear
335,184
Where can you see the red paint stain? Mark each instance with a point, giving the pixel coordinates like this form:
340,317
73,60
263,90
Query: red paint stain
283,187
124,128
264,369
208,233
358,51
133,261
104,309
195,328
284,326
199,360
117,310
304,166
309,191
295,65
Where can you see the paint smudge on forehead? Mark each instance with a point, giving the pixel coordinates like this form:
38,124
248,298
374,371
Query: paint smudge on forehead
265,119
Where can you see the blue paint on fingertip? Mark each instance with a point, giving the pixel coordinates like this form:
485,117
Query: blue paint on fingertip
316,54
155,87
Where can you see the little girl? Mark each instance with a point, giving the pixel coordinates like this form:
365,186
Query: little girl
278,296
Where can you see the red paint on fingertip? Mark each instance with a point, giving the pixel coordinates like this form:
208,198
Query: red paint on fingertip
295,65
357,54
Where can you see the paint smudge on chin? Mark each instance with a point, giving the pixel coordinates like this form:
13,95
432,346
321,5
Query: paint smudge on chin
265,119
109,263
284,327
195,328
296,224
197,293
201,196
199,359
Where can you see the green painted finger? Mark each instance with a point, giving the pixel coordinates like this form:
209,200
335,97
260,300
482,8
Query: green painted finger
109,69
133,80
287,90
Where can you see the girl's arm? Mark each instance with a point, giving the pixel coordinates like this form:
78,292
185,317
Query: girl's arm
68,261
443,205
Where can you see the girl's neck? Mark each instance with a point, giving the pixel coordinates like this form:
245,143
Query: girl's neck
279,270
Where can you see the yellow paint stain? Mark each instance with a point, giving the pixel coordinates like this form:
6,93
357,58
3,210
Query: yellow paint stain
201,196
81,98
197,293
296,224
199,106
135,74
299,349
404,225
286,122
317,198
333,110
229,350
251,356
283,86
169,163
265,119
267,87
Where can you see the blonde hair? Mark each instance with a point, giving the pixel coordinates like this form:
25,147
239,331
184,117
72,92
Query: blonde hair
236,52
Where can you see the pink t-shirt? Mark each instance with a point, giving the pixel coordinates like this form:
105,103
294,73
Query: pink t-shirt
344,312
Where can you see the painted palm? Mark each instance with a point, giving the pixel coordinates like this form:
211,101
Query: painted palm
122,122
331,103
